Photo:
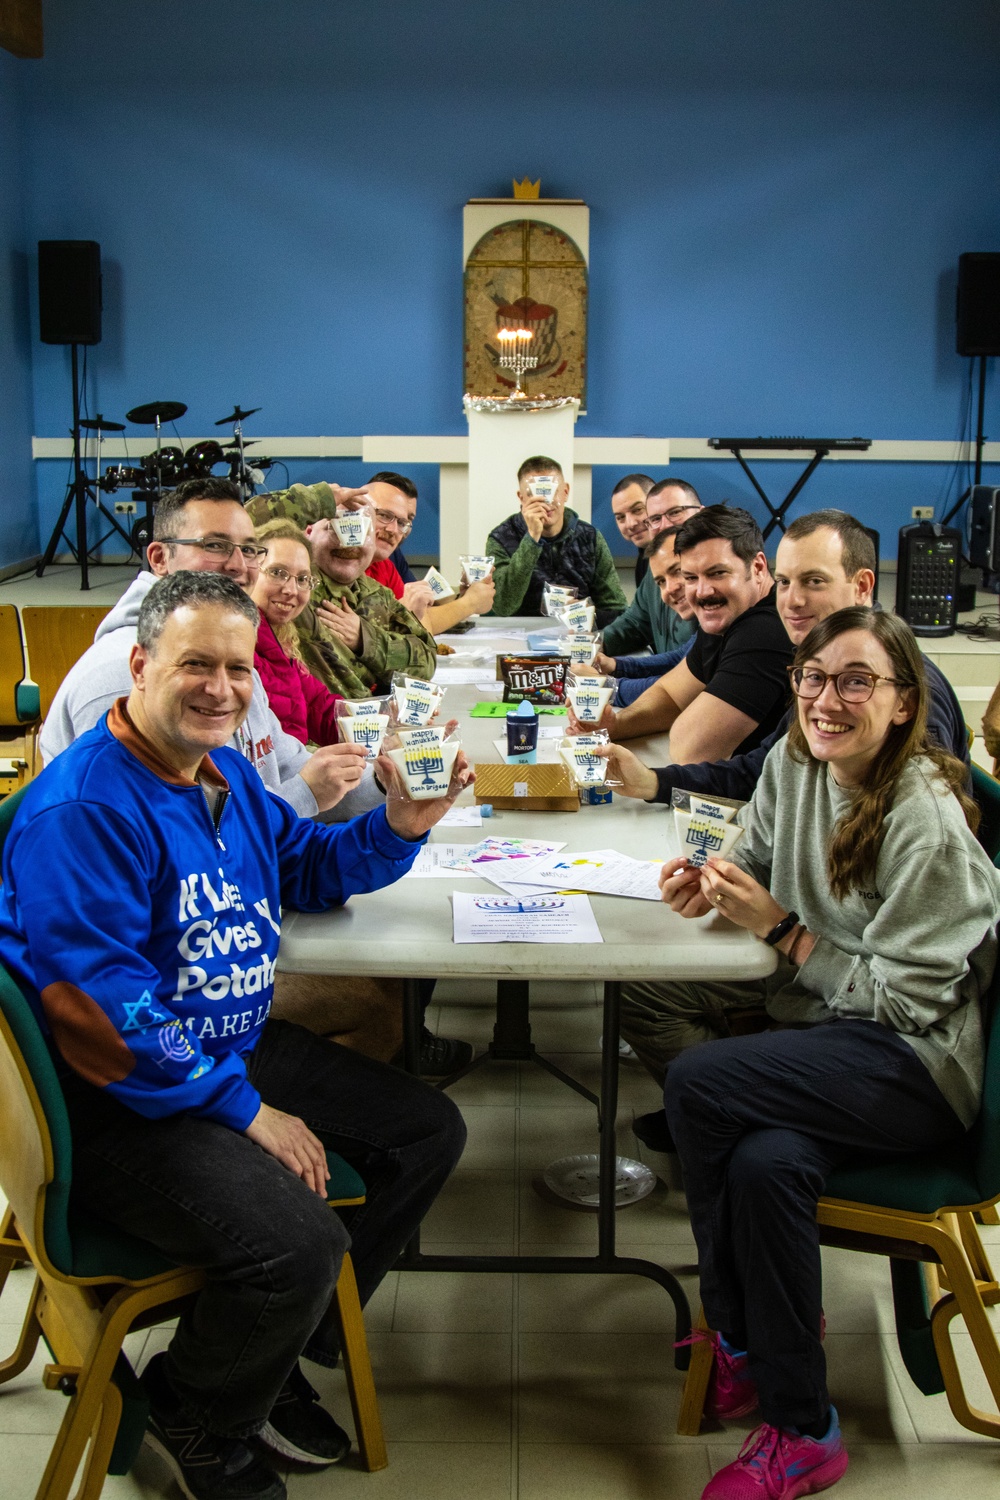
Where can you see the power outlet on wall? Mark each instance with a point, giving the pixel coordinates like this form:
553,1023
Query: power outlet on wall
922,512
125,507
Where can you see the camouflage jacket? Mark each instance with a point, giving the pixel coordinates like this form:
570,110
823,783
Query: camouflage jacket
392,639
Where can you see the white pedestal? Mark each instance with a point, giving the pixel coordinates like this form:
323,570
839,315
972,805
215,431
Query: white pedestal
477,498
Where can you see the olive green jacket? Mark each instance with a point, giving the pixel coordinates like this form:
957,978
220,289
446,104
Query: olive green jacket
392,639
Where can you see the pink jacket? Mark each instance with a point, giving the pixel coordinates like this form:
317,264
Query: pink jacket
303,706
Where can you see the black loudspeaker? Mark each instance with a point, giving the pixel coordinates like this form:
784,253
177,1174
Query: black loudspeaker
69,291
984,521
978,309
927,577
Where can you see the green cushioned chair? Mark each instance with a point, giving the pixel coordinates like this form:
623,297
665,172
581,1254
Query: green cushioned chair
920,1212
986,790
94,1284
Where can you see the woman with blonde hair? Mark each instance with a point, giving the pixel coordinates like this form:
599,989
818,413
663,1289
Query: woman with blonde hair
302,704
858,864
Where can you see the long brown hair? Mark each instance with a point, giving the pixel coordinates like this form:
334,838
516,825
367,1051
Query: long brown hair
857,838
279,527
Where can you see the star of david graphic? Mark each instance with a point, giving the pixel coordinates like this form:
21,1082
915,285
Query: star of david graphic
134,1021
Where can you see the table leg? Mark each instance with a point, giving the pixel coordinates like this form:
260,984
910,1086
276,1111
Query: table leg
513,1030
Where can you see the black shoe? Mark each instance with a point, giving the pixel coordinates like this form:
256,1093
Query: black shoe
653,1131
299,1429
205,1467
441,1055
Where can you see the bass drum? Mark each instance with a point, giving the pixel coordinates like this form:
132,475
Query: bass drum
171,468
142,534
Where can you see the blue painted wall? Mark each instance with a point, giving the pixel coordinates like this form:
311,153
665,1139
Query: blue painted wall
779,195
18,523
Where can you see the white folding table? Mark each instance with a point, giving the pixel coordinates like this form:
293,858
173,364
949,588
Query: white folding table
405,932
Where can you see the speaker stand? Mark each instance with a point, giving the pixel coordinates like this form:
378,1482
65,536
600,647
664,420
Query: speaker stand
79,490
978,472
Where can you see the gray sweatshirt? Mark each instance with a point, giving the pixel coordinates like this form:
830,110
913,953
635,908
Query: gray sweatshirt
101,676
917,951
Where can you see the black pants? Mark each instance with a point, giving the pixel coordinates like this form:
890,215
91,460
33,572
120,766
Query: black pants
207,1196
759,1123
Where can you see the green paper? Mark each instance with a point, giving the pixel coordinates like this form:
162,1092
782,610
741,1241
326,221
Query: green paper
501,710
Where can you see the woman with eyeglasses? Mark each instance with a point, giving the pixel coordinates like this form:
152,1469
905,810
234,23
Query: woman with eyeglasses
303,705
858,864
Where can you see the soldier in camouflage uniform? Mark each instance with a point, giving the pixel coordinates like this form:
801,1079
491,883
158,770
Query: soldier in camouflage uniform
388,637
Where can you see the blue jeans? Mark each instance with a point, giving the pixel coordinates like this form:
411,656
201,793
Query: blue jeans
759,1123
207,1196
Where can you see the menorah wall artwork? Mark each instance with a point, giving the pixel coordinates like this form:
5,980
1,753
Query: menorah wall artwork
529,275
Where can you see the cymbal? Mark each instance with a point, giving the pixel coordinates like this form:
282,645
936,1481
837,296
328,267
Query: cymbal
101,424
237,416
154,411
247,443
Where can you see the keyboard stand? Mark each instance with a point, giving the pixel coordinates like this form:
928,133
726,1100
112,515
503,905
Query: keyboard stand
819,448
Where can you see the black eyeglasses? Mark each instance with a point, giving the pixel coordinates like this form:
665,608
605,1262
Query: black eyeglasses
852,686
216,547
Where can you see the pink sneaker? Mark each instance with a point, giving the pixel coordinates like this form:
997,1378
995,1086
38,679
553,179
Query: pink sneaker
776,1464
731,1392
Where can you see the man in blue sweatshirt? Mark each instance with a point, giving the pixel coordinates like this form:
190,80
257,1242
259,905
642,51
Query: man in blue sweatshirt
144,879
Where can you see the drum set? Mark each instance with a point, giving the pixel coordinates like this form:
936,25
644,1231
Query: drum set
168,465
164,468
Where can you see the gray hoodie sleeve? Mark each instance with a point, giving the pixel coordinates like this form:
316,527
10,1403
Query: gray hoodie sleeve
914,967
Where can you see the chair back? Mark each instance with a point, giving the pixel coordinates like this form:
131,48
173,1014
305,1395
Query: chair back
8,807
56,639
987,1127
12,666
35,1143
986,791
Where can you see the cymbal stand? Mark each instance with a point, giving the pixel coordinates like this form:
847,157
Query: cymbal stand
242,476
79,490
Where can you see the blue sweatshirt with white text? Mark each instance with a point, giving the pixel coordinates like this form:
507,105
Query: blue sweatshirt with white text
143,925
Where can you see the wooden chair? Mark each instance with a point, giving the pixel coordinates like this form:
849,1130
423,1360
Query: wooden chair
95,1284
56,638
19,704
920,1212
986,790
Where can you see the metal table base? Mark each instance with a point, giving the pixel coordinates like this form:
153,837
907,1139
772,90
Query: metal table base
512,1042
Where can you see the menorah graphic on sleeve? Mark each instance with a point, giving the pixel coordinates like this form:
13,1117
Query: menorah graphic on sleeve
426,761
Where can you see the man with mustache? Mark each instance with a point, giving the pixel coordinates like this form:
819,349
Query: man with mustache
729,691
355,633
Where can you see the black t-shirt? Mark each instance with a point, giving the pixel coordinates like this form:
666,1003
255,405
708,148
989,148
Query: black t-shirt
745,667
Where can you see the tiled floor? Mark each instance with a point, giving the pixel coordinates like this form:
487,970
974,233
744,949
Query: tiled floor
559,1388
